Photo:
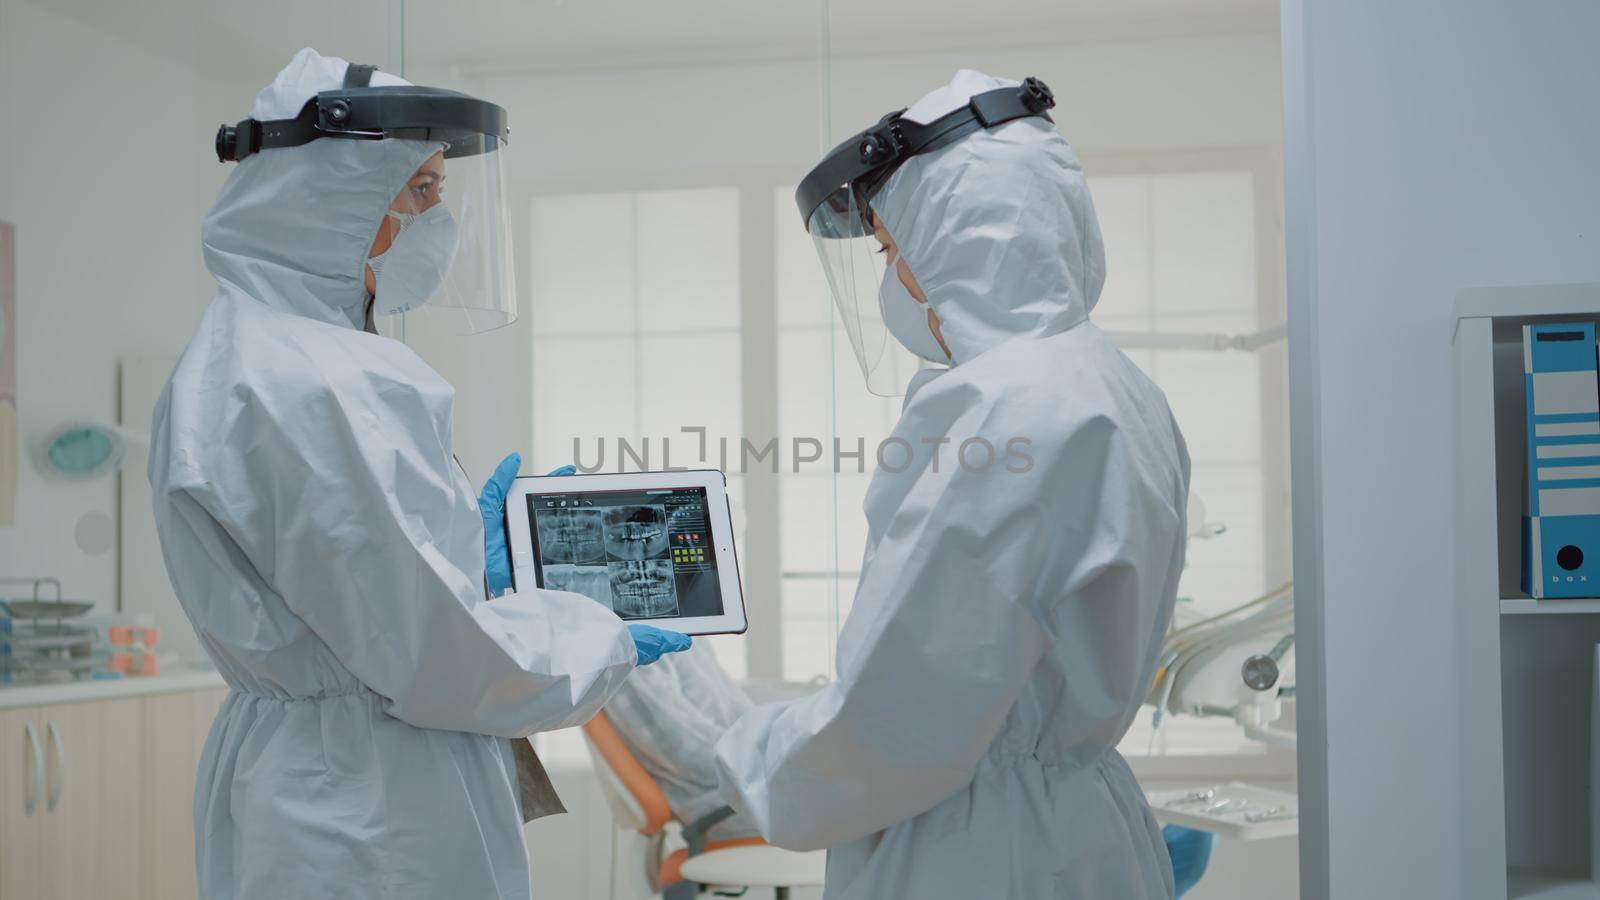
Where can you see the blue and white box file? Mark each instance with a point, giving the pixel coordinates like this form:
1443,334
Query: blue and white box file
1561,531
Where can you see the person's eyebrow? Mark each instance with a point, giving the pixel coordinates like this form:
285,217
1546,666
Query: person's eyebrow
428,173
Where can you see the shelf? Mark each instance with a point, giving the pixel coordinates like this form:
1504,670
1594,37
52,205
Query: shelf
1526,606
1527,884
1534,300
1528,736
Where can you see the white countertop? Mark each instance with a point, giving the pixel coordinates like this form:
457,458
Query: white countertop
182,679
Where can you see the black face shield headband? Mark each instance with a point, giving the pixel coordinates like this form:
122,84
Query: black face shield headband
465,125
831,196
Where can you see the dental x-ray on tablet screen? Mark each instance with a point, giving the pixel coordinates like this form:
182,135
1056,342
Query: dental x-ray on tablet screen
649,546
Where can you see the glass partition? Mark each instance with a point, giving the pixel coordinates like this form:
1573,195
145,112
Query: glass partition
665,309
670,299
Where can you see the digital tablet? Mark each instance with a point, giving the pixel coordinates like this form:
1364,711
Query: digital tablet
654,547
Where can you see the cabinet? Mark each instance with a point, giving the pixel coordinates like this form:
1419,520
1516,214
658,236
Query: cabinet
1530,805
175,732
96,796
22,786
89,828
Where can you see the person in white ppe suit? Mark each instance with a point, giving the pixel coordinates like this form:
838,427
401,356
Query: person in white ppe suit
1008,616
671,716
319,534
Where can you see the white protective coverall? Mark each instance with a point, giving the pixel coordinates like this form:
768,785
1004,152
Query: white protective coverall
1006,625
330,554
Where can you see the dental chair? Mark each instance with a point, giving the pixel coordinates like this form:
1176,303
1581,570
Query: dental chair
639,805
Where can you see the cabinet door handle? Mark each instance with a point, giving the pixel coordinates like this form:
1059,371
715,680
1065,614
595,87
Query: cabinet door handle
54,736
36,783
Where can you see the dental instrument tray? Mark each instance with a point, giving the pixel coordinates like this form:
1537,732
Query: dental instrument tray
46,609
649,546
1233,809
37,607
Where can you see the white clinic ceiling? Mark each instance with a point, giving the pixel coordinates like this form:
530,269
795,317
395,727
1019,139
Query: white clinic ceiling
249,36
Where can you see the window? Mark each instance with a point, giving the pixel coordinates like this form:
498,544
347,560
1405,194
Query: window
636,316
1183,255
821,556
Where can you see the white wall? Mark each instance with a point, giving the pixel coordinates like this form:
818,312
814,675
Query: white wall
1432,145
1169,94
105,174
106,169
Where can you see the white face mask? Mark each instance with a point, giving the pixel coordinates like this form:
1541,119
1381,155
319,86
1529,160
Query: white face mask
414,266
401,221
907,319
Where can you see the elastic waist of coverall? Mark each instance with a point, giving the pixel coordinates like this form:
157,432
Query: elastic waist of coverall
1003,757
362,691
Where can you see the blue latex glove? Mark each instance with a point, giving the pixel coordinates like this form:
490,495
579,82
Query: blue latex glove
652,642
492,504
1191,853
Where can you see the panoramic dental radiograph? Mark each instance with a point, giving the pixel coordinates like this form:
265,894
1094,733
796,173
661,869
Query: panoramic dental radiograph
590,581
619,555
636,532
643,588
572,536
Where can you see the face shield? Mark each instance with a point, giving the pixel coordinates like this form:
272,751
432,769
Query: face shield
449,249
855,266
447,256
835,202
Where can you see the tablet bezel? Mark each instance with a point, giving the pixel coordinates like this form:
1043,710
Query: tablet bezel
520,539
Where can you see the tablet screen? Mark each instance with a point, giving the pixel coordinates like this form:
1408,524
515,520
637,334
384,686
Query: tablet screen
645,554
